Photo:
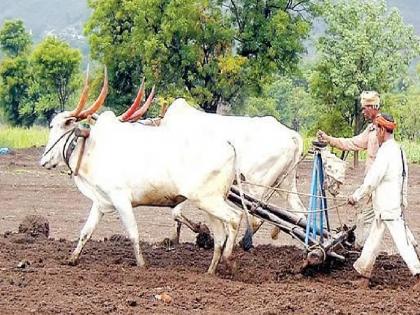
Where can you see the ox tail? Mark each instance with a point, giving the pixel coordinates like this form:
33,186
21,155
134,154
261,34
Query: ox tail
247,239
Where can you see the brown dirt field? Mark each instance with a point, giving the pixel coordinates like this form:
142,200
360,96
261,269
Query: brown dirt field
106,281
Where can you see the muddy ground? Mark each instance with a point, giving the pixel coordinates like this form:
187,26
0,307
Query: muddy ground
34,276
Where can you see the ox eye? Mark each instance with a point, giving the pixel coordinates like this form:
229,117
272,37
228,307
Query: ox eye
68,122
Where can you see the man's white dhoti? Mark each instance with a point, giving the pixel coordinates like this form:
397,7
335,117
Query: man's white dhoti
386,180
364,264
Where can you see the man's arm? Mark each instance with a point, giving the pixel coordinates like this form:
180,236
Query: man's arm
373,177
356,143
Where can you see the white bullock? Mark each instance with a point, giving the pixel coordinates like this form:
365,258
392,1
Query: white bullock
120,166
267,151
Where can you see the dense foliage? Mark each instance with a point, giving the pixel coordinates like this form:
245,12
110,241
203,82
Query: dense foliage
212,52
35,83
365,47
239,56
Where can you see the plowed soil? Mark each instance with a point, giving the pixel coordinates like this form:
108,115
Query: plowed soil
35,278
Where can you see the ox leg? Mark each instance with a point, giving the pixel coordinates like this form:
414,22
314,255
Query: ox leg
176,234
219,234
233,228
92,221
129,221
220,210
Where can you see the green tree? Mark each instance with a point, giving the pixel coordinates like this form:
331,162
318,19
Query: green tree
286,99
109,32
365,47
15,81
57,72
269,33
14,39
203,50
404,105
183,47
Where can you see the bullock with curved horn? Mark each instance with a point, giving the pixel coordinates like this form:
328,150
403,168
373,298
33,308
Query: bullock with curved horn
108,178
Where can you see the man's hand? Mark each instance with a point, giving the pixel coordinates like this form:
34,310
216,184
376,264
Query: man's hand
351,200
322,136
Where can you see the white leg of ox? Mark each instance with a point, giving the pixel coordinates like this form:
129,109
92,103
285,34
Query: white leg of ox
293,198
125,210
223,213
92,221
219,234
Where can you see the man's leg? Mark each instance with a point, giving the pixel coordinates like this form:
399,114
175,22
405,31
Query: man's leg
404,245
364,264
413,241
364,221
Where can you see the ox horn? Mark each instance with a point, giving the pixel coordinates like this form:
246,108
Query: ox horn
99,101
83,97
142,110
126,116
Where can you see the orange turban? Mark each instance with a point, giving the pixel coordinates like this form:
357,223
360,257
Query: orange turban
382,121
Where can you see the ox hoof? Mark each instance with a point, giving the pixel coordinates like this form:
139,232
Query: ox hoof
143,266
231,266
72,261
204,240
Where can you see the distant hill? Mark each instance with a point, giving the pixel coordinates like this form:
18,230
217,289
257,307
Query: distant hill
65,18
409,10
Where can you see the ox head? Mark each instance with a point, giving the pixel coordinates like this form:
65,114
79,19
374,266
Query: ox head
64,123
335,171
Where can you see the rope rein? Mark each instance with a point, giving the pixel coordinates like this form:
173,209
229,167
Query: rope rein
67,153
291,192
68,148
58,140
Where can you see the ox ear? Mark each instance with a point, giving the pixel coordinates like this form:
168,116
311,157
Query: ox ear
69,121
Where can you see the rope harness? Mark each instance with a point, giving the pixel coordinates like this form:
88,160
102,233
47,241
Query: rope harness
267,195
70,144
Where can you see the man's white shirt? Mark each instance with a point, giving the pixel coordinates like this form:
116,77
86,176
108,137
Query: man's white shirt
384,180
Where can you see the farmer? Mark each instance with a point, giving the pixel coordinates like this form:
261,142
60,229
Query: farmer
367,140
386,180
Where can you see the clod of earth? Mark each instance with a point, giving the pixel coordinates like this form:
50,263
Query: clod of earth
35,225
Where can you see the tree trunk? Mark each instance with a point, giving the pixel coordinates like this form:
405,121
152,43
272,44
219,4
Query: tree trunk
356,130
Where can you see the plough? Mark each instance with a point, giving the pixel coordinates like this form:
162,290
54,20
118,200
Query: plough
313,231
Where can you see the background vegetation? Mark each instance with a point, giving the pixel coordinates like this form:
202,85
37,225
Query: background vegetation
236,57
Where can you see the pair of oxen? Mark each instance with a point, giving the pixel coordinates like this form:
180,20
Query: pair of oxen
189,155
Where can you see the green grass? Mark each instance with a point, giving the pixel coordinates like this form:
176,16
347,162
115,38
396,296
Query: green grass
412,150
18,138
